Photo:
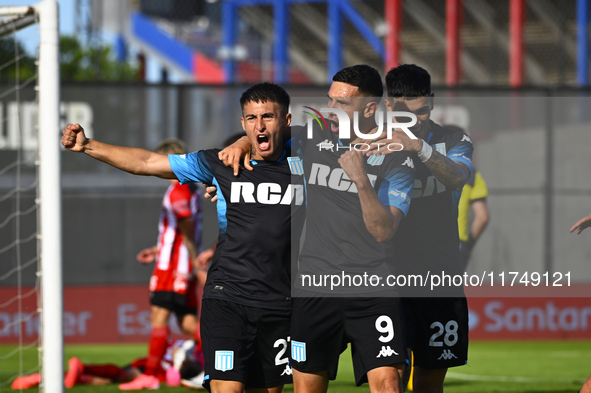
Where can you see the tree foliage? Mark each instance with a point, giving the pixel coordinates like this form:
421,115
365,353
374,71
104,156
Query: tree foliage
92,63
15,63
77,62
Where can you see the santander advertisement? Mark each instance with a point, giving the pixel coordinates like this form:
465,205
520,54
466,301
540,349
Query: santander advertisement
109,314
529,318
92,314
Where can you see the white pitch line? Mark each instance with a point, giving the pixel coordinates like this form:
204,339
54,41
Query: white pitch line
499,378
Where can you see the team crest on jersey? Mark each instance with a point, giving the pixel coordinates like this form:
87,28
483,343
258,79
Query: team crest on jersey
295,165
298,351
224,360
440,147
376,160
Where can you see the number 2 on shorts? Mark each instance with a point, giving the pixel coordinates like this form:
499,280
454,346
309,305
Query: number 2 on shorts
279,360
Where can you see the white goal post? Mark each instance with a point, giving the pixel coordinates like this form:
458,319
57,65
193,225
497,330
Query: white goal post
50,232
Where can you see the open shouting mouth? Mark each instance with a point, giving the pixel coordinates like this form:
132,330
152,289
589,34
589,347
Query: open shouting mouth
263,142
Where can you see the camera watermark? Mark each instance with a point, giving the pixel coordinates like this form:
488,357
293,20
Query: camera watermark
391,123
362,147
432,281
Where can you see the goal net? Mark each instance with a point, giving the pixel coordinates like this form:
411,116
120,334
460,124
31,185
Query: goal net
30,210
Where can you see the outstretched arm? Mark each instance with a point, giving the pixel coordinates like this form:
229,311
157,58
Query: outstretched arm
583,223
129,159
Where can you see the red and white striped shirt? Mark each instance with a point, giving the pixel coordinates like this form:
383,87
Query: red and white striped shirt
173,268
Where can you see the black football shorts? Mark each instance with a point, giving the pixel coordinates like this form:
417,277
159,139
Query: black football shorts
437,331
245,344
322,326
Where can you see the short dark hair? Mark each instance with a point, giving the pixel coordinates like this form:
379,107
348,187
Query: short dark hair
266,92
365,77
408,80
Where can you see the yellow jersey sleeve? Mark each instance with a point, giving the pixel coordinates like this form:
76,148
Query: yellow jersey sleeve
479,190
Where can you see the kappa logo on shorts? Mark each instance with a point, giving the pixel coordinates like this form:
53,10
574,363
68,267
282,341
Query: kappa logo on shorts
287,370
447,355
386,351
224,360
298,351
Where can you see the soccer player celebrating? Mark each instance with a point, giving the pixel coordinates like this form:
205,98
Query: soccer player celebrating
353,208
427,240
246,300
173,284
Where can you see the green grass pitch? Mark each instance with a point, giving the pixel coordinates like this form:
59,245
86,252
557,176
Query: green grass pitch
509,367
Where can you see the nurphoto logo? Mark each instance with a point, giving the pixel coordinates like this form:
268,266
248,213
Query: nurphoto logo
345,123
391,124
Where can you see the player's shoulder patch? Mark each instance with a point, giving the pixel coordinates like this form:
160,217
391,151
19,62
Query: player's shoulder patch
376,160
295,165
440,147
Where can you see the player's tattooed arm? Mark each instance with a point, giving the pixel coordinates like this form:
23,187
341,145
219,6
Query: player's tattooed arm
378,219
451,173
129,159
